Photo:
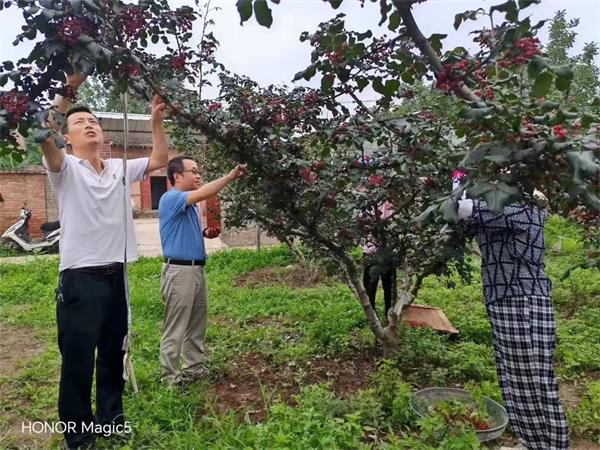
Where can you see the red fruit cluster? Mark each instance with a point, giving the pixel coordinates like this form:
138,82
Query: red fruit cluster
281,118
69,93
311,98
177,62
375,180
184,22
523,51
329,201
337,57
15,103
71,28
208,50
308,175
382,50
487,93
559,131
430,183
450,78
134,21
319,165
529,129
214,106
130,70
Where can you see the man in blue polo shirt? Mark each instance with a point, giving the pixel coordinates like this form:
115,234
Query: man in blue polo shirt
183,284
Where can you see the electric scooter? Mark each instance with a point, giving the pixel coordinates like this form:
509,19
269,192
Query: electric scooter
17,235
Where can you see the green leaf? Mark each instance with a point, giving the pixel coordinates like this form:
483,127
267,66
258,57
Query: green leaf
41,135
458,18
542,84
480,189
378,86
564,76
449,210
394,21
327,83
362,83
476,113
475,155
509,8
526,3
362,36
536,66
562,84
384,9
499,154
408,76
426,215
307,73
92,6
500,195
435,41
335,4
565,71
549,105
263,13
592,200
583,163
244,8
588,119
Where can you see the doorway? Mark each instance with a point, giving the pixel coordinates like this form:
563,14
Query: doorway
158,186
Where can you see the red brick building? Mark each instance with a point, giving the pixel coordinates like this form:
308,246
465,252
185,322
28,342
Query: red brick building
31,187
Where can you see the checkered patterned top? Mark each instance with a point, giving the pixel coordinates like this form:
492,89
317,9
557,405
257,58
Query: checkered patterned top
512,251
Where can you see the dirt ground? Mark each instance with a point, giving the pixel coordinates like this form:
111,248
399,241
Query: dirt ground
296,276
253,383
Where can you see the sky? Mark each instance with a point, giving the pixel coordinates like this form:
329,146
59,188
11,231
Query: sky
273,56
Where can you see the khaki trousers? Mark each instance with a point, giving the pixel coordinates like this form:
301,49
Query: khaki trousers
185,295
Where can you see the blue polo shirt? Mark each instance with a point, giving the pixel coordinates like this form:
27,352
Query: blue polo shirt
180,227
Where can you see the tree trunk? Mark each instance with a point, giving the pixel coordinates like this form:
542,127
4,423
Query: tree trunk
356,283
390,343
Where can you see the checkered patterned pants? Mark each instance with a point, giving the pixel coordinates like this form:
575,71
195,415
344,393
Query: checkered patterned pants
524,341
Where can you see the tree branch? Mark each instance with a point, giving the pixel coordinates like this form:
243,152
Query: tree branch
404,9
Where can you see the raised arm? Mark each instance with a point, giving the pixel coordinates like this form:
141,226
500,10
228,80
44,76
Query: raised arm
160,152
214,187
54,155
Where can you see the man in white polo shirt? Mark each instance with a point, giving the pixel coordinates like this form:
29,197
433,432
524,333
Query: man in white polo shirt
91,300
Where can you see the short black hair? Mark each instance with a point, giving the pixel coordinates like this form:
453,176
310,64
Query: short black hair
176,166
72,110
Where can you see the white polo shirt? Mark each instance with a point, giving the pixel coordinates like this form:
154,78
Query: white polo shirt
91,211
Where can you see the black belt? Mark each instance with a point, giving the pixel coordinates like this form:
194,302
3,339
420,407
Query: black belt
185,262
108,269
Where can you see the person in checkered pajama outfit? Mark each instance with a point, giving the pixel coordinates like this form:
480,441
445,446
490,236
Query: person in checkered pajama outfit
517,293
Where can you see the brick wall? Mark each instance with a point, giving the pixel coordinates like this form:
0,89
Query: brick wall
51,202
19,188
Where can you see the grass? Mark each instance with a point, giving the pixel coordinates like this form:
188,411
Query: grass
291,329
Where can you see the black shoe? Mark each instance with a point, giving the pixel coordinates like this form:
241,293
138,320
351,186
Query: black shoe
88,443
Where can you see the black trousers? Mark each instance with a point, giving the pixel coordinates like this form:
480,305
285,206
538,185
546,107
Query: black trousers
91,314
371,281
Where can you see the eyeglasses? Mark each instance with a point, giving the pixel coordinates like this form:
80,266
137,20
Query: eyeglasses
193,171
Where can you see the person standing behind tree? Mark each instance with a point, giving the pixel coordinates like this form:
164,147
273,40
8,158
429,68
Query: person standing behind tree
183,282
372,272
